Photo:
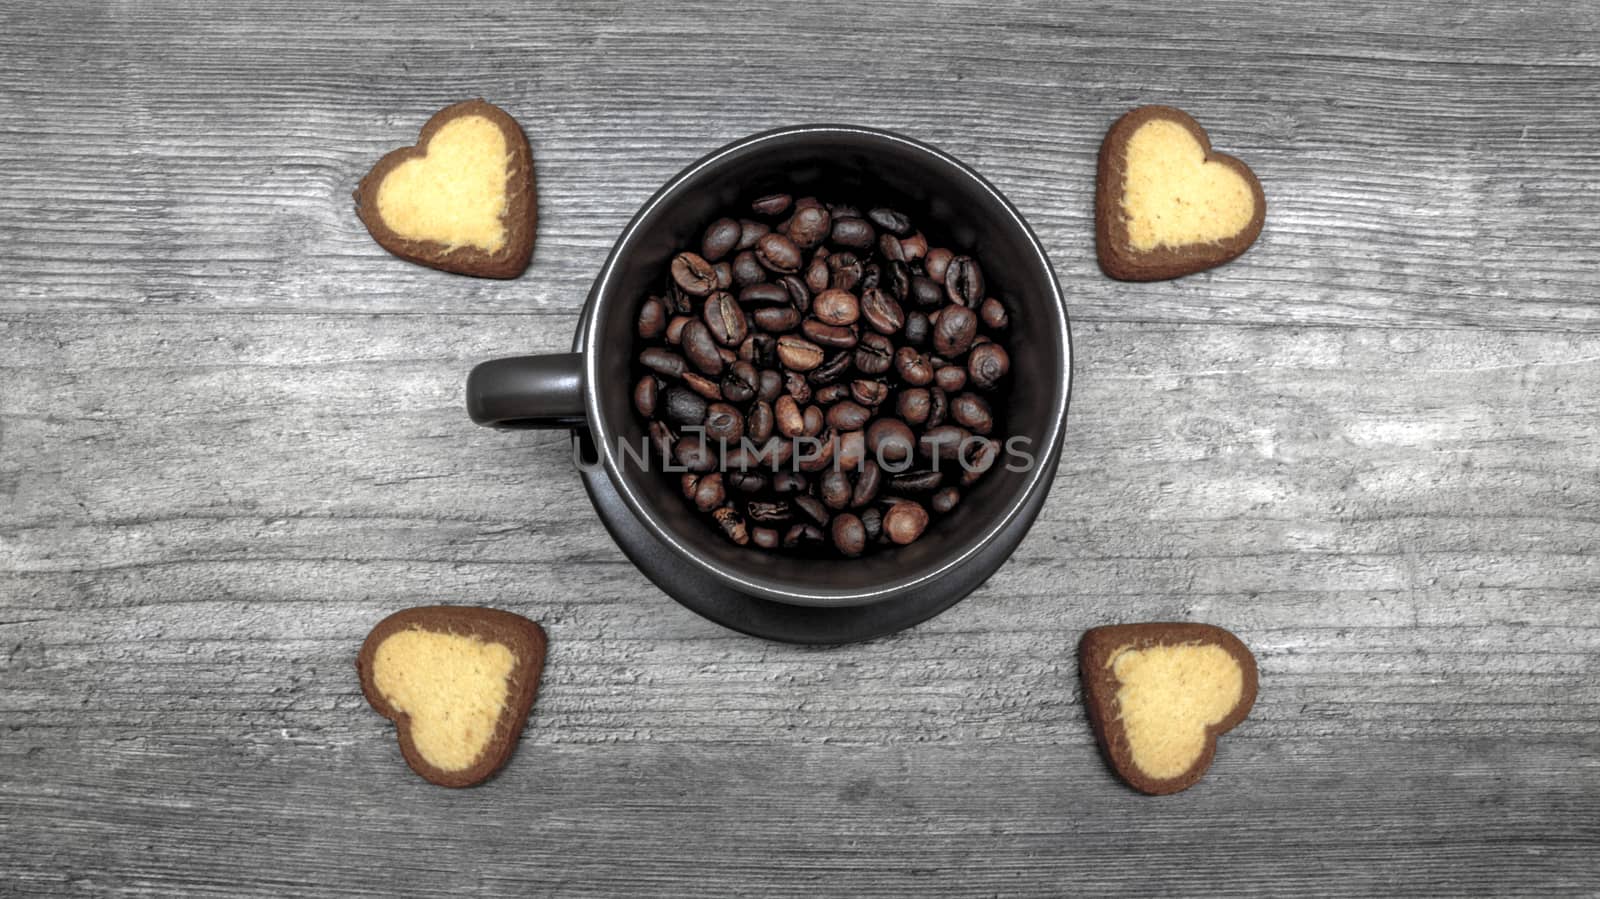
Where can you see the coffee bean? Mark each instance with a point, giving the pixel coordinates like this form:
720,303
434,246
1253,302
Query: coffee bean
889,248
724,423
747,269
778,253
871,276
834,488
796,385
770,384
702,385
872,524
845,274
832,393
843,210
874,354
700,349
945,500
724,271
916,482
813,509
759,424
769,512
809,226
867,483
827,443
661,441
918,328
987,365
663,362
732,525
814,421
851,232
832,370
710,493
882,313
772,204
943,442
818,274
848,416
799,294
852,450
750,231
890,440
953,333
776,318
895,222
994,314
684,407
692,453
868,393
802,535
764,294
836,307
798,354
652,319
789,482
979,456
790,420
963,281
834,336
849,535
766,538
938,407
937,263
905,522
644,396
720,239
913,367
725,319
971,412
693,274
950,378
925,292
914,247
912,405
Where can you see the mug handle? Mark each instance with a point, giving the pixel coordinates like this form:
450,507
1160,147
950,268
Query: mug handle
527,392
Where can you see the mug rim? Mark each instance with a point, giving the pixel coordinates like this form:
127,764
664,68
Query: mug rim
585,342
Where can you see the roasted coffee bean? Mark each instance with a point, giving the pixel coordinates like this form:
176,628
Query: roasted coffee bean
759,424
644,396
788,482
684,407
912,405
661,440
893,221
987,364
693,275
945,500
848,416
937,263
764,294
972,412
747,269
916,482
663,362
890,441
766,538
747,481
868,393
689,483
917,328
914,247
820,457
953,333
809,226
732,524
790,421
849,535
943,442
897,280
692,453
814,420
843,210
724,272
725,319
724,423
701,349
835,368
905,522
798,354
751,231
796,385
831,394
978,457
710,493
778,253
702,385
926,293
889,248
844,271
772,204
776,318
652,319
874,354
856,233
818,274
867,483
799,293
834,488
834,336
963,281
881,312
728,354
675,327
913,367
720,239
852,450
871,276
836,307
938,407
802,535
812,508
993,313
770,384
950,378
769,512
872,524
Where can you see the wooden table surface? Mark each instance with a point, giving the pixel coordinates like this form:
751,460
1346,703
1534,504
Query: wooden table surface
232,439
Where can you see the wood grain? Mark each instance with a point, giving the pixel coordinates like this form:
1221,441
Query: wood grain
232,440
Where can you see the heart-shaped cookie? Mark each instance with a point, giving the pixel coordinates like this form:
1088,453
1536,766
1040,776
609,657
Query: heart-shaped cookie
1167,205
461,200
458,683
1158,695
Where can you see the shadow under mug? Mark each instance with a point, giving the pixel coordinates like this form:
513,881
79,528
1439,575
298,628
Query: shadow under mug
591,389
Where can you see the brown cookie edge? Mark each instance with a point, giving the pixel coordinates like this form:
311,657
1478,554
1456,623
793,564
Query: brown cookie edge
1116,257
1100,694
527,642
520,218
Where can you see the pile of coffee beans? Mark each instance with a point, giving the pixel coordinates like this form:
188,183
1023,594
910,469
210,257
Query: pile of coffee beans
820,379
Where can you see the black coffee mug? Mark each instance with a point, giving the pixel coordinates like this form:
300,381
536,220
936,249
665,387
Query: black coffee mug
767,593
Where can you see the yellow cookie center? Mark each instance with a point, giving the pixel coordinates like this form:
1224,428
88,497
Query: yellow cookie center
453,687
455,194
1169,695
1173,197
